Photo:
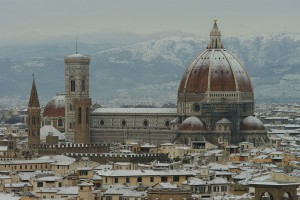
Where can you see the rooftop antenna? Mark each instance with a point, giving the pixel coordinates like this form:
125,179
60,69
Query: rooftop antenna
76,45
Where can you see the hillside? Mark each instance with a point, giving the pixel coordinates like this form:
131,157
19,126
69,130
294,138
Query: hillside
149,72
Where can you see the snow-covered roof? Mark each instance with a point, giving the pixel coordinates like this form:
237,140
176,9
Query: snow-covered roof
120,173
48,179
3,148
8,196
72,190
136,110
50,130
167,185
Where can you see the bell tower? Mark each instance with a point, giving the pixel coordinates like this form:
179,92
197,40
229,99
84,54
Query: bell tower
77,99
34,117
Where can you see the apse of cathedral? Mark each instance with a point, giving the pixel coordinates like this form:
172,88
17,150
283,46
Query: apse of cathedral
215,103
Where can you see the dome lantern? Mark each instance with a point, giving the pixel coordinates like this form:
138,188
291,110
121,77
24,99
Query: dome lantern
215,38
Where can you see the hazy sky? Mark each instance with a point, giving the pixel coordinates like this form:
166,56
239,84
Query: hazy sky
29,19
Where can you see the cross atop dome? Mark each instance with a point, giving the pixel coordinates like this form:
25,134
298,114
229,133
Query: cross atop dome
215,37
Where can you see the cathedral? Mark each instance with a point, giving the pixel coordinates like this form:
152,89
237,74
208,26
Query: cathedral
215,103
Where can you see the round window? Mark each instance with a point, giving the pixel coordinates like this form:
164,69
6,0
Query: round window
167,123
146,123
123,122
102,122
196,107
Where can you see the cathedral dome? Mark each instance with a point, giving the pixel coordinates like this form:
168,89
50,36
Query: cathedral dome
192,124
251,123
55,107
215,70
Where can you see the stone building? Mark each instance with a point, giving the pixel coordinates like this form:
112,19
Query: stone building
34,117
215,104
77,99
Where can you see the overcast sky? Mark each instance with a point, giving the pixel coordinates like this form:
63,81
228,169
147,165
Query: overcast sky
29,19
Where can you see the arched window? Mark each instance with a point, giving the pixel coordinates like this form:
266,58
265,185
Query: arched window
71,125
72,84
71,107
33,120
79,115
87,114
60,122
83,85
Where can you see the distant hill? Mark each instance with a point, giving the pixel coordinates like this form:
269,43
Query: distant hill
149,72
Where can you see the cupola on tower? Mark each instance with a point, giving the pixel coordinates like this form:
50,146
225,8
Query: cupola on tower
216,86
77,98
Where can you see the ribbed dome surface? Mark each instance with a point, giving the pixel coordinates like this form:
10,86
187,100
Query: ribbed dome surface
251,123
192,124
215,70
55,107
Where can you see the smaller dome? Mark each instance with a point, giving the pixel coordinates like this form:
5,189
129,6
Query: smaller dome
192,124
251,123
223,121
55,107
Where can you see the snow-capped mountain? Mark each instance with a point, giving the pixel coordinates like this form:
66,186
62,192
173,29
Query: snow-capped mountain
150,71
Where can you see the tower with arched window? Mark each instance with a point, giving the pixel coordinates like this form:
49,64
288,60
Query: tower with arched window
77,98
34,117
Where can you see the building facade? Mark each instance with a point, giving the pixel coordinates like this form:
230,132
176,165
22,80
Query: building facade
215,103
77,98
34,117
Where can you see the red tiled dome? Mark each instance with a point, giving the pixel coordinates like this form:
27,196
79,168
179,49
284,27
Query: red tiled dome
192,124
55,107
215,70
251,123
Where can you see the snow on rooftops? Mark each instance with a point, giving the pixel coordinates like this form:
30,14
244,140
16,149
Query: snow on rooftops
85,184
73,190
3,148
16,185
217,181
9,196
48,190
147,145
103,167
195,181
96,177
50,130
167,144
120,173
243,175
84,168
137,110
166,185
2,177
48,179
116,190
35,161
217,167
59,159
134,193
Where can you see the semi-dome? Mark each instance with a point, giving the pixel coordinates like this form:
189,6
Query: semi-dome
192,124
215,70
251,123
55,107
224,121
